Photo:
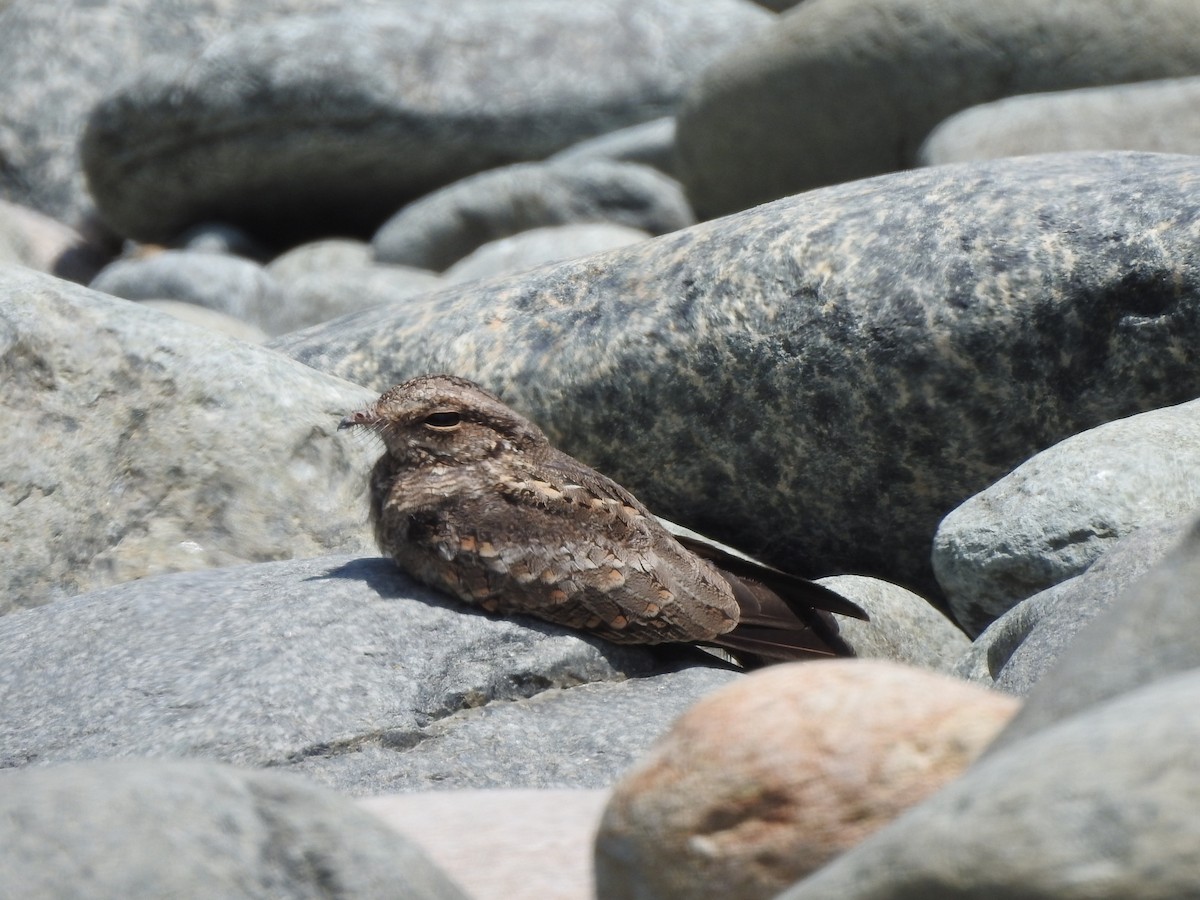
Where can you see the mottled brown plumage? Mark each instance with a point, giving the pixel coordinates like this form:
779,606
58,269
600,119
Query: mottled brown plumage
470,498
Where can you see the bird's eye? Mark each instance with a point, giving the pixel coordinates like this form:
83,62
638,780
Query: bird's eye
443,419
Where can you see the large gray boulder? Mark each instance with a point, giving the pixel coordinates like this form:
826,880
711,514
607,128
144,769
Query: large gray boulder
145,828
1157,116
820,380
845,89
362,112
134,444
1101,806
1056,514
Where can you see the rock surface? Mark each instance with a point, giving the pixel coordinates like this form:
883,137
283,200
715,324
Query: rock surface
1153,116
187,829
1054,515
444,226
29,238
650,143
846,89
1101,806
819,381
364,111
136,444
539,246
1025,643
837,750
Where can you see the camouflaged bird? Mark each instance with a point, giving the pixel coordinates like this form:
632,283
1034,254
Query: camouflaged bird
469,497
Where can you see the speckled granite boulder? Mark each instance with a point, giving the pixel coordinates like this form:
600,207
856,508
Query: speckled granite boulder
539,246
144,829
338,668
59,57
1158,116
765,780
1100,806
649,143
845,89
134,443
1056,514
362,112
819,381
1023,644
29,238
445,226
904,627
1150,632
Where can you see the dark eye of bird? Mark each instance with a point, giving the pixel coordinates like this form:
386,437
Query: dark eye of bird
443,419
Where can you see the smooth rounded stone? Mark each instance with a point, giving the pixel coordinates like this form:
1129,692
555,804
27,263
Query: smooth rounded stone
210,319
321,257
819,381
321,296
362,112
60,57
649,143
1153,116
845,89
188,829
217,237
136,444
538,844
1056,514
1016,650
1101,806
539,246
1150,632
275,664
443,227
29,238
904,626
766,780
228,284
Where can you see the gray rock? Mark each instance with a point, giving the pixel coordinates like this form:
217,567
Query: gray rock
445,226
844,89
820,380
29,238
60,57
208,318
1101,806
539,246
1151,631
187,829
650,143
1154,116
217,237
904,627
340,666
136,444
228,284
1023,644
1056,514
317,257
321,296
362,112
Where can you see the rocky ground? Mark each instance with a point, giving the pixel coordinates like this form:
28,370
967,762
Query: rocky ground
800,275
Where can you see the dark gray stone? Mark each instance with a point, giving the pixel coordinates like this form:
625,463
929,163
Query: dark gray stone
216,237
443,227
819,381
650,143
135,444
540,246
363,112
275,664
1054,515
1101,806
1150,632
1023,644
143,828
1155,116
846,89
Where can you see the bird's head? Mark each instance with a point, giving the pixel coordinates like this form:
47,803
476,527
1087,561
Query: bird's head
444,420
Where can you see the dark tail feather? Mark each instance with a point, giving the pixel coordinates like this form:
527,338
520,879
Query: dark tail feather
773,627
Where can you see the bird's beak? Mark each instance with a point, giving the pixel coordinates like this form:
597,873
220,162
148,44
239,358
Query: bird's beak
366,416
